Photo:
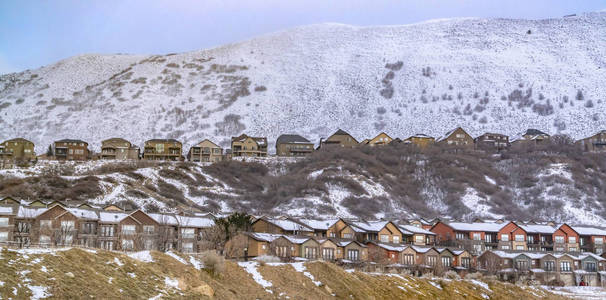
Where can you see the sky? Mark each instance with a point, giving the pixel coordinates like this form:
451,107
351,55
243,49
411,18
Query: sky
35,33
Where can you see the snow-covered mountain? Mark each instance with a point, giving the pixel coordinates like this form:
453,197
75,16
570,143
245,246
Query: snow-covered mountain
484,74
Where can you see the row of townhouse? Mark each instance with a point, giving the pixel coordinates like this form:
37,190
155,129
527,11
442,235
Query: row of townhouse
291,145
570,269
51,224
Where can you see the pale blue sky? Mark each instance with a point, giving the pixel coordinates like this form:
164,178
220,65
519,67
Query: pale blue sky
34,33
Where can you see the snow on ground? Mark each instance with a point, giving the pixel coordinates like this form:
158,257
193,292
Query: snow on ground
477,204
38,292
144,256
171,283
118,262
578,292
481,284
490,180
435,284
300,267
251,268
196,263
176,257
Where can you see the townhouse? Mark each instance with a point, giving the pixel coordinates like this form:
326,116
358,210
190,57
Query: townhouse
17,149
119,149
420,140
594,143
162,149
248,146
456,138
68,149
280,226
339,139
492,142
530,137
380,140
293,145
473,236
205,151
417,235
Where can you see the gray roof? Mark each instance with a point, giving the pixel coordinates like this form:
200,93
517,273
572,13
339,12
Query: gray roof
70,141
292,138
534,132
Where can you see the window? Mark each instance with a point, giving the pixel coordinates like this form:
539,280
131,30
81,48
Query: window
419,239
3,236
129,229
23,227
384,238
599,251
332,234
396,239
572,239
44,239
466,262
530,239
549,265
347,235
263,247
522,264
564,266
488,238
590,266
107,230
572,249
281,251
477,237
159,148
128,245
67,225
559,249
505,237
519,247
353,254
4,222
432,260
559,239
460,235
408,259
46,224
189,247
446,261
149,244
505,247
477,248
505,261
311,252
88,228
148,229
519,237
598,241
328,253
187,233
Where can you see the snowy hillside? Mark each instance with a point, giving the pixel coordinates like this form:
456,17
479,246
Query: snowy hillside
484,74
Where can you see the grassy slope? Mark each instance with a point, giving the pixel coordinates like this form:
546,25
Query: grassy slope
134,279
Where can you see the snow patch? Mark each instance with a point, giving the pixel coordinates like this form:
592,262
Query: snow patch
251,268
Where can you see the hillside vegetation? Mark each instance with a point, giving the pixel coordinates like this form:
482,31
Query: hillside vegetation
495,75
78,274
555,182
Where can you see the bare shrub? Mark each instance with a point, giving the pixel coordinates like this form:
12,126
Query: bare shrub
452,275
475,275
213,263
260,88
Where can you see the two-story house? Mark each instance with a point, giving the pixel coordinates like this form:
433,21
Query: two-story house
492,142
293,145
339,139
205,151
248,146
118,148
456,138
162,149
68,149
18,149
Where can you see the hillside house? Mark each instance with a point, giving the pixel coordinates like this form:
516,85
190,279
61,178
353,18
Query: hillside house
380,140
383,231
205,151
512,237
492,142
594,143
68,149
18,149
565,239
591,239
280,226
339,139
456,138
420,140
531,137
163,149
539,237
415,235
293,145
472,236
248,146
118,148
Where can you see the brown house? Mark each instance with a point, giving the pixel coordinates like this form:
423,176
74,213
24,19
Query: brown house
18,149
420,140
245,145
456,138
280,226
380,140
118,148
205,151
531,136
293,145
492,142
339,139
594,143
162,149
71,150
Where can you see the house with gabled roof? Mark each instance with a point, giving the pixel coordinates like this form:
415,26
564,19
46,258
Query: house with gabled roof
119,148
416,235
594,143
293,145
320,227
591,239
491,142
456,138
339,139
70,149
163,149
565,239
280,226
244,145
420,140
351,251
539,237
531,136
384,252
477,236
205,151
380,140
384,231
17,149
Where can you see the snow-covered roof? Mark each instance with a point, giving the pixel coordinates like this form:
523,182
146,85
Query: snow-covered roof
532,228
30,212
83,213
484,227
390,247
319,224
421,249
589,254
198,222
504,254
457,252
415,229
445,136
297,239
111,217
289,225
266,237
589,230
374,226
164,219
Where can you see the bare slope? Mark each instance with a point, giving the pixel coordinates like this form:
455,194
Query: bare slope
77,274
485,74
